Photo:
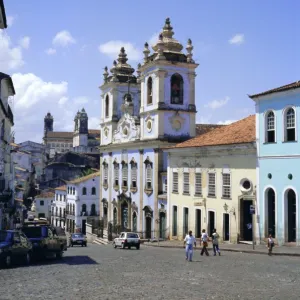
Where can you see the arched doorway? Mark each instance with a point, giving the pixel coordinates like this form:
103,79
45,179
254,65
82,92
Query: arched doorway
291,215
115,216
270,213
162,225
148,221
124,215
134,222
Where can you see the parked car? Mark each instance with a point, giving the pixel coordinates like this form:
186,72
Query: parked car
78,239
44,240
127,239
14,246
60,232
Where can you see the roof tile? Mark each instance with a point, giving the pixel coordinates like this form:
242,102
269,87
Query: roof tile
242,131
85,178
283,88
61,188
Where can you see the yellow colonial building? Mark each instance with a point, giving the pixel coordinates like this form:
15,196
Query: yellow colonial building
212,183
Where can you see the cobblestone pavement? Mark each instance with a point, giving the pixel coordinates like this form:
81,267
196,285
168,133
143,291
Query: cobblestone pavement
101,272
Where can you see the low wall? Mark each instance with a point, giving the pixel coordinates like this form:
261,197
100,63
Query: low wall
89,233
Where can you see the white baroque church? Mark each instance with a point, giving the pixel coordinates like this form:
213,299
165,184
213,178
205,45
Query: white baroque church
141,115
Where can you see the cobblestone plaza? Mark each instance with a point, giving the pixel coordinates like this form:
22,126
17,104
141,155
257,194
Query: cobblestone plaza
100,272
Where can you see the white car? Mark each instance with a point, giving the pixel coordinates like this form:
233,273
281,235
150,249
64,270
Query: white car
127,239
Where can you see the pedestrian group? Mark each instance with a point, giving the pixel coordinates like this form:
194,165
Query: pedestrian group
190,242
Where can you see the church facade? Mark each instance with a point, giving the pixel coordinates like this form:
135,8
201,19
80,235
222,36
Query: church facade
141,115
81,140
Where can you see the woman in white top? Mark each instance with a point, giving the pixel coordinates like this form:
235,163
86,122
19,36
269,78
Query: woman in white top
189,241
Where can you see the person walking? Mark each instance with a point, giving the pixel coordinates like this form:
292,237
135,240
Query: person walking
270,244
189,242
215,241
204,239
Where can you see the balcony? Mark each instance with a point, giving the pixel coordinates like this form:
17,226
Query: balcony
5,196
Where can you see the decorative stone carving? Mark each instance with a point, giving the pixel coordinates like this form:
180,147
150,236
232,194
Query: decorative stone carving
106,132
127,130
176,121
149,122
134,207
114,203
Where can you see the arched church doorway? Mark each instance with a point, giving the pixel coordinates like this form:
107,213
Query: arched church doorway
271,212
291,215
148,222
124,215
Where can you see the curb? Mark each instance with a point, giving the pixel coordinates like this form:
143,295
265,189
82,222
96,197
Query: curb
235,250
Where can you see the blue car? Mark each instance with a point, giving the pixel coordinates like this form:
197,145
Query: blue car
14,246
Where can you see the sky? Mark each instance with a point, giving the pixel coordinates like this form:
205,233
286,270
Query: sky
56,51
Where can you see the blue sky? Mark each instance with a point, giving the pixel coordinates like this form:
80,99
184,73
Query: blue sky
263,53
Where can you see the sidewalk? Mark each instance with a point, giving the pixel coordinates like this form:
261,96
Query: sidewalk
242,248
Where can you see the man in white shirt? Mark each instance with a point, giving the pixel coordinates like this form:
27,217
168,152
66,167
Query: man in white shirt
189,241
204,239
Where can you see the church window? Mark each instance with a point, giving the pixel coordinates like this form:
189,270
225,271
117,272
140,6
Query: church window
84,191
93,210
116,174
73,191
124,174
93,190
149,91
105,174
148,176
176,89
106,106
133,175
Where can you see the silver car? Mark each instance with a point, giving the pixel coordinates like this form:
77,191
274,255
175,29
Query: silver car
78,239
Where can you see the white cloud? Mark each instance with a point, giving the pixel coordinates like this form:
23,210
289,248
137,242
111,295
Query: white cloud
238,39
63,100
35,97
25,42
11,56
83,48
204,119
226,122
80,100
154,38
112,49
50,51
215,104
10,20
63,39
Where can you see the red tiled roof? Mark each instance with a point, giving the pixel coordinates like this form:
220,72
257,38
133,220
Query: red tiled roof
203,128
61,188
45,195
242,131
59,134
283,88
85,178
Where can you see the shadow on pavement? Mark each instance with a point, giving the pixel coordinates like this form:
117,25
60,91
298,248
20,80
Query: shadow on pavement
68,260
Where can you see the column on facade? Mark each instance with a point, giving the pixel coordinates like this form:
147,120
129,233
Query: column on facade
129,214
192,88
155,189
100,185
141,189
110,187
161,75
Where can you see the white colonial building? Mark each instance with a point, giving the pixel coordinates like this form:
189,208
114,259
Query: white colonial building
212,183
58,208
41,206
82,202
141,115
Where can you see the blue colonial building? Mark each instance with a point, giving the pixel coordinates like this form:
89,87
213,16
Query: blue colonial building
141,115
278,162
